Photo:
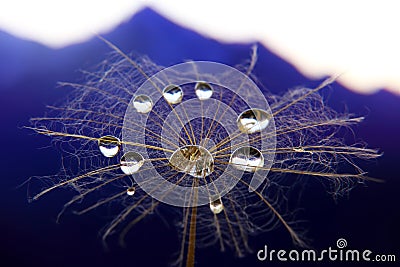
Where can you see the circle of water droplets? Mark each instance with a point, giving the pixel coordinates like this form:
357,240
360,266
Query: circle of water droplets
165,127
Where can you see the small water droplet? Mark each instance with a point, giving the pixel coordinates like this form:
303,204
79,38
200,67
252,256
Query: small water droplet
131,162
216,206
173,94
130,191
247,159
253,120
109,145
142,103
203,90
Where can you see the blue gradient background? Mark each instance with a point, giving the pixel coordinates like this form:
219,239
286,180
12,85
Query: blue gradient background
369,218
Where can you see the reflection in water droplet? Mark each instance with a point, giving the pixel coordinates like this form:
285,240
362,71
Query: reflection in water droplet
247,159
216,206
193,160
173,94
203,90
131,162
130,191
253,120
109,145
142,103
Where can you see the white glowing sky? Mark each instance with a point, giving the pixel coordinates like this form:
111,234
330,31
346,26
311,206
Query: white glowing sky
358,39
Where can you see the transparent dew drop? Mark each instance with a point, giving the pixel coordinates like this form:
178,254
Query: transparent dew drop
109,145
130,191
194,160
216,206
203,90
131,162
253,120
142,103
247,159
173,94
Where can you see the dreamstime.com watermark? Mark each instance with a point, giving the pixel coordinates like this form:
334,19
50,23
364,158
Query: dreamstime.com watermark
338,253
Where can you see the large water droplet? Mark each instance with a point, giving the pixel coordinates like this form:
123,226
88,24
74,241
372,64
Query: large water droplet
173,94
203,90
253,120
142,103
216,206
131,162
193,160
247,159
130,191
109,145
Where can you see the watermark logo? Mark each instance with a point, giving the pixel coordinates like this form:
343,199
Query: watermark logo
341,243
338,253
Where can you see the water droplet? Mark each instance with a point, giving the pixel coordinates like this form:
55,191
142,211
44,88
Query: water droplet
193,160
173,94
247,159
130,191
203,90
216,206
131,162
142,103
109,145
253,120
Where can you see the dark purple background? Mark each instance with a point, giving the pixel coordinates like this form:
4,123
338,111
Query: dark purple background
368,219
